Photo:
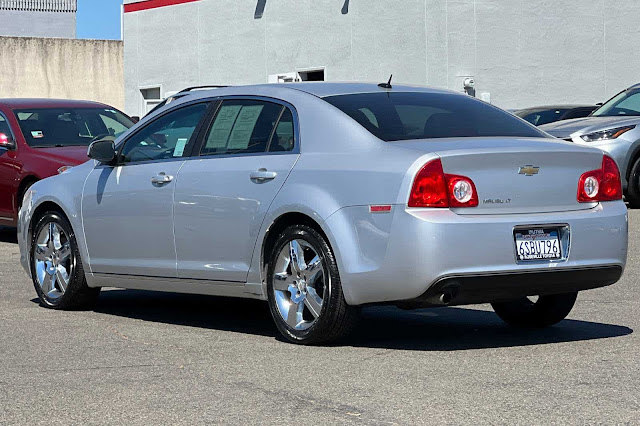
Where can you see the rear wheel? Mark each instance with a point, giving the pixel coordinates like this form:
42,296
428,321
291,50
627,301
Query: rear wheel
56,267
304,290
541,311
633,188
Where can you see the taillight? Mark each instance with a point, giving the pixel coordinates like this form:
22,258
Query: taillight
603,184
434,188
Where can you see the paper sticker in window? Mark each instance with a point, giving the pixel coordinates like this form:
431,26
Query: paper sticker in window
181,143
243,129
37,134
222,126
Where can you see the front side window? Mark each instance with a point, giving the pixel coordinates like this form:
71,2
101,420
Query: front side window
165,138
625,103
418,115
58,127
242,127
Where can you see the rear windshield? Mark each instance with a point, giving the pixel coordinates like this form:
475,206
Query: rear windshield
415,115
56,127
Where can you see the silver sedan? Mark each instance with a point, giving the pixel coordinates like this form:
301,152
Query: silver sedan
322,197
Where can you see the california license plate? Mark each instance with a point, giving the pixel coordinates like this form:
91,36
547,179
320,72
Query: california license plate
537,244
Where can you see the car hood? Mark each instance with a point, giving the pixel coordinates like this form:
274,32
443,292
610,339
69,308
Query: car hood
70,155
565,128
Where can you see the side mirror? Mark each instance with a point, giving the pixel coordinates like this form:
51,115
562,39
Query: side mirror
135,119
7,142
103,150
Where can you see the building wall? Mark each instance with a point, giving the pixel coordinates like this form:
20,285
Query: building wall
38,18
520,53
62,68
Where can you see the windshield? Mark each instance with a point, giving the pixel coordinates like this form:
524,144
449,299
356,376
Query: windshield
57,127
625,103
538,117
416,115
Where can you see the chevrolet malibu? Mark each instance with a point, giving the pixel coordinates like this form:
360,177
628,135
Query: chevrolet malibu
320,198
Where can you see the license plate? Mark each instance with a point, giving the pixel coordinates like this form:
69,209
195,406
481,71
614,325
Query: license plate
537,244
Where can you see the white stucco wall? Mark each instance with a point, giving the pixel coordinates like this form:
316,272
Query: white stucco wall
523,53
62,68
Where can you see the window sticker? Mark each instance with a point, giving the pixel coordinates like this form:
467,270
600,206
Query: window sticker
243,129
37,134
181,143
222,126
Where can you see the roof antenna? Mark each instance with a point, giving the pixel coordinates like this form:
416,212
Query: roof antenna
386,85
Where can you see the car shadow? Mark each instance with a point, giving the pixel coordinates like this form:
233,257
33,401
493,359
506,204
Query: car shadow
8,235
435,329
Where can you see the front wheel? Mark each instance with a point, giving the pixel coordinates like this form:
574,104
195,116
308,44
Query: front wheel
543,312
56,267
304,290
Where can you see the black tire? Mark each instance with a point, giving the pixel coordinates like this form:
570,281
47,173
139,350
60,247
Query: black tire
337,318
633,188
544,312
77,294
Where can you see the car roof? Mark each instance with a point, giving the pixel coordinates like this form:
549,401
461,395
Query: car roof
319,89
20,103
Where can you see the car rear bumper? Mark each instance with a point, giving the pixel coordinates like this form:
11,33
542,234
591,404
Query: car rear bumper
468,289
410,253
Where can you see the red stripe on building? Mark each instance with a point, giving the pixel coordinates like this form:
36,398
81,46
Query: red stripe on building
152,4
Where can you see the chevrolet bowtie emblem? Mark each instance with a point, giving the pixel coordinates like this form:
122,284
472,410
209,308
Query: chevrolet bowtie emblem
528,170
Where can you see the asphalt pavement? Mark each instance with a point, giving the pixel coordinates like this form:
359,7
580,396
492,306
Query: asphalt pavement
160,358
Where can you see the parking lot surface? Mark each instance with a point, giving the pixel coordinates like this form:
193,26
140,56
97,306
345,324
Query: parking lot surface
148,358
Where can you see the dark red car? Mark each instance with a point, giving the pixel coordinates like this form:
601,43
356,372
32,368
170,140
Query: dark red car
43,137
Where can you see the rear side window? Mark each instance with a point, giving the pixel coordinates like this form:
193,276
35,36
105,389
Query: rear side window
416,115
284,136
242,127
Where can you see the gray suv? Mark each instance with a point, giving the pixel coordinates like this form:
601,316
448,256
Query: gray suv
615,129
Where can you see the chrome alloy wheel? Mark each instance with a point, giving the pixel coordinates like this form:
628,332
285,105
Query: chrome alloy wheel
300,284
52,261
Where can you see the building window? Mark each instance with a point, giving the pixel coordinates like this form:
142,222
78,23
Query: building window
151,96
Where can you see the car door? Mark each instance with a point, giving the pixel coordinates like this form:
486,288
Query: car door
127,208
10,168
223,195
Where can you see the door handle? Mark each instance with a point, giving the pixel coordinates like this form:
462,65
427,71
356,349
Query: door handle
161,178
262,175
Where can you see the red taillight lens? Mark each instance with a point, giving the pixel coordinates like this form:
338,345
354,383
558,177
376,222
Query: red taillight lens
433,188
603,184
611,185
429,188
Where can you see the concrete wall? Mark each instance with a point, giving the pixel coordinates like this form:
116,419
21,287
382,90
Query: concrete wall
62,68
522,53
21,23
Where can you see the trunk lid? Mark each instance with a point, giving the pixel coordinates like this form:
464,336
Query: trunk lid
504,172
